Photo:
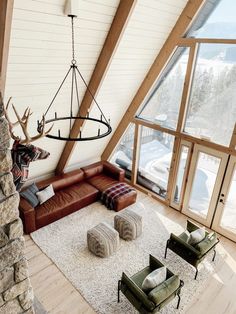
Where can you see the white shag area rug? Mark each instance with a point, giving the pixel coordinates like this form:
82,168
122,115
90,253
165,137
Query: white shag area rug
65,242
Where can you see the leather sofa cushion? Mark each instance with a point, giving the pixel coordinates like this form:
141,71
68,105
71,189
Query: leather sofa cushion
106,168
93,170
102,182
64,202
63,181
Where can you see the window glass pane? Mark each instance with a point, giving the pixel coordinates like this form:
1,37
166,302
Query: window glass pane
180,174
203,183
228,220
215,20
155,160
162,106
212,105
123,154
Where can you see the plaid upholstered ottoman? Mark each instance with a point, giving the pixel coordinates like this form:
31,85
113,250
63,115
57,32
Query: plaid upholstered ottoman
128,224
119,196
103,240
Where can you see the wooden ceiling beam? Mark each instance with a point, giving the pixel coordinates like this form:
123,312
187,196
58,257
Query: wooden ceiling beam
117,28
184,21
6,10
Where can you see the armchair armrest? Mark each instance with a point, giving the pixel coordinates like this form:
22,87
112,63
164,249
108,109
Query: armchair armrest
137,293
113,171
27,214
183,245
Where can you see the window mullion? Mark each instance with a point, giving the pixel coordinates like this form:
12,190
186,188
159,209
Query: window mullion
136,151
187,86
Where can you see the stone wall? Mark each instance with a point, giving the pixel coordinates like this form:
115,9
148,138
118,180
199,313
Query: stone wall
16,294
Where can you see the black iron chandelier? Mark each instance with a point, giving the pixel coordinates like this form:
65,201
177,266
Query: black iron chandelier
102,120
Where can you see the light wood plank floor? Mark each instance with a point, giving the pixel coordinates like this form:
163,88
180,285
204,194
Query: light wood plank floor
58,296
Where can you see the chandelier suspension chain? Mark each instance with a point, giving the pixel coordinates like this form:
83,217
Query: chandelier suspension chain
73,40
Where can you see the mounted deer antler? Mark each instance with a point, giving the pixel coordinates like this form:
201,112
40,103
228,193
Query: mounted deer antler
23,122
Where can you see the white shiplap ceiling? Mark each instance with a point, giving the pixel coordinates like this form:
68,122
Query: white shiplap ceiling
40,52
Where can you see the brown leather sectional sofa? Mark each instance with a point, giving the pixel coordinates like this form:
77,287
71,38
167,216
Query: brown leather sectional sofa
73,191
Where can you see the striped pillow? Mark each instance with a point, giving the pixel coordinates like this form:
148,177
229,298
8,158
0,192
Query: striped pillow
30,195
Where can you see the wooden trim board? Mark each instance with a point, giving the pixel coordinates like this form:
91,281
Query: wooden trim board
6,10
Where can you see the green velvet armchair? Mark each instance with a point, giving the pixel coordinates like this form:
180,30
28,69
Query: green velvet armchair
150,301
193,254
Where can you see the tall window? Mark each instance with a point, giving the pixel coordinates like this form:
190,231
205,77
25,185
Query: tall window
123,154
215,20
155,159
162,107
212,105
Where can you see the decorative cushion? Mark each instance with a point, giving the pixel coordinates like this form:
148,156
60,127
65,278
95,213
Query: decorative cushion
164,290
30,195
197,236
154,278
45,194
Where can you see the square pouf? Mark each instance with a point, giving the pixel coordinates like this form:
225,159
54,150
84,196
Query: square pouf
103,240
128,224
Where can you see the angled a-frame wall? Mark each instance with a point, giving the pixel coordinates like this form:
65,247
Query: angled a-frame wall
184,21
204,64
157,70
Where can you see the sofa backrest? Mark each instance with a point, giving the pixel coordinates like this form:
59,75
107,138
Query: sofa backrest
62,181
93,170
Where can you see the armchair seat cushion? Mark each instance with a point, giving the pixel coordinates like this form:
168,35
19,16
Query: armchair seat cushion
164,290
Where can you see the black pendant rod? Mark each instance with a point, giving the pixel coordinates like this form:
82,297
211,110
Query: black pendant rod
91,94
77,93
58,91
71,99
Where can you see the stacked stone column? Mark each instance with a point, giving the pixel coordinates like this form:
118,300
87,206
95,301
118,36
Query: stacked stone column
16,294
